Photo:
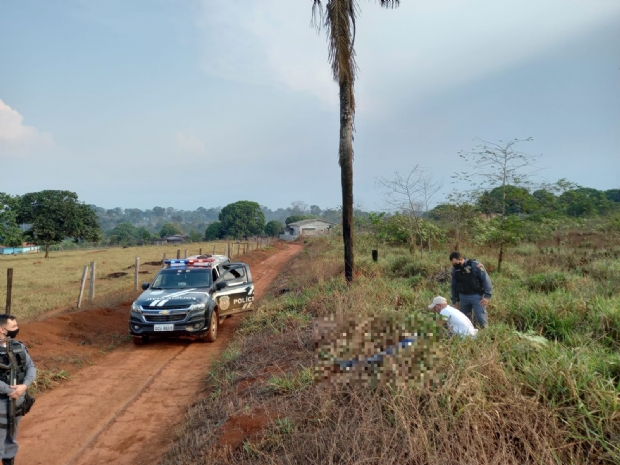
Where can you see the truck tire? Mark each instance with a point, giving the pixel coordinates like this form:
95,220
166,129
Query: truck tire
211,335
140,340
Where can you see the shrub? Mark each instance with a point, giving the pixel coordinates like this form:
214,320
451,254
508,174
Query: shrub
547,282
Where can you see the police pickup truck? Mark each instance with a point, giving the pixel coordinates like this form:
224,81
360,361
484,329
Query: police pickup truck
191,296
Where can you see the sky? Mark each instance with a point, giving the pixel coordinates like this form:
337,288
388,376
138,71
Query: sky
188,103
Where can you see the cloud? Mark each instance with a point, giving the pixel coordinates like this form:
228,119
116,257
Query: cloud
190,143
266,42
15,137
415,50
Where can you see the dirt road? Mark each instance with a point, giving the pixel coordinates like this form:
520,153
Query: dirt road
124,410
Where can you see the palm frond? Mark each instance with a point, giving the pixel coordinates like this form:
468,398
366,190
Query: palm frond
390,3
338,18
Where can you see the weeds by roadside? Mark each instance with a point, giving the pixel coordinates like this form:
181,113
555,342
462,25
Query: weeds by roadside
509,396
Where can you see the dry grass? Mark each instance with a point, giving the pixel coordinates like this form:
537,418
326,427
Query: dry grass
42,285
503,398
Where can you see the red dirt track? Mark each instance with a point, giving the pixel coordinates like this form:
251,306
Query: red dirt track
125,408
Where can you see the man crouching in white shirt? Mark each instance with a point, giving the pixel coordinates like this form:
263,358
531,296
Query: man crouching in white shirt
457,322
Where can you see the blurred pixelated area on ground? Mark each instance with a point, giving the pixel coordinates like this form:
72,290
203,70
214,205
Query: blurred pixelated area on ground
396,349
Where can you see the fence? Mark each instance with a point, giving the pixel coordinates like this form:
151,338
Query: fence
89,271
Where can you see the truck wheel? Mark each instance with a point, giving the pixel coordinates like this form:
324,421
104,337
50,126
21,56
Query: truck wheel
140,340
211,335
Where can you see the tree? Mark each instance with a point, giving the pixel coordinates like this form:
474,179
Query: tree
124,233
585,201
338,20
195,236
273,228
296,218
213,231
170,229
315,210
56,215
242,219
299,207
135,215
143,234
378,227
410,195
499,165
428,188
458,215
159,212
10,233
516,200
613,195
547,201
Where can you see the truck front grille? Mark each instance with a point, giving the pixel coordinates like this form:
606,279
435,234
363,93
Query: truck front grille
164,318
166,307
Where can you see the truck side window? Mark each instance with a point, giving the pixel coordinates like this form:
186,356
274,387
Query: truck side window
215,274
236,274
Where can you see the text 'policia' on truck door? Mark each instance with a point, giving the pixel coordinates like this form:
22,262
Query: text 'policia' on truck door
234,290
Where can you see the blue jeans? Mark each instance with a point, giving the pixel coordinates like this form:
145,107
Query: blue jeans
471,302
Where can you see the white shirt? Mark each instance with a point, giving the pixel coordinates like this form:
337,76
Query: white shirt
458,322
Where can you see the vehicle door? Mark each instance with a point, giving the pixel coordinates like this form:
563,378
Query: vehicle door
234,290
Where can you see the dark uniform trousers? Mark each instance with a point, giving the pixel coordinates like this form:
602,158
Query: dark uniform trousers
8,444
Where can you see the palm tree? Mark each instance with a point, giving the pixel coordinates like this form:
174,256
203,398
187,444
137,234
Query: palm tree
338,19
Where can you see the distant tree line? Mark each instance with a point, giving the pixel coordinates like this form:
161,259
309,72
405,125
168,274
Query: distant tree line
511,213
132,226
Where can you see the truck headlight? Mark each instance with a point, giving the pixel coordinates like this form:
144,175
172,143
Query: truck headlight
197,307
136,308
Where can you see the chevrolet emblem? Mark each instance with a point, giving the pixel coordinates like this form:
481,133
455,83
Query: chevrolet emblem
164,312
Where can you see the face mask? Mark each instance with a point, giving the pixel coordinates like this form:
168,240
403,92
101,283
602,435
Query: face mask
457,265
13,333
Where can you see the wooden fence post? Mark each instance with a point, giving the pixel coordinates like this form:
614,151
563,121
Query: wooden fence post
82,283
135,283
178,253
91,291
163,259
200,251
213,250
238,247
185,254
9,290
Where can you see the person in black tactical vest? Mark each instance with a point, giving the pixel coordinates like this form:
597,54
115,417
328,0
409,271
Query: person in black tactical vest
17,372
471,287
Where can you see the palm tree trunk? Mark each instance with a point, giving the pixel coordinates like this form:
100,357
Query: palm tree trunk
345,153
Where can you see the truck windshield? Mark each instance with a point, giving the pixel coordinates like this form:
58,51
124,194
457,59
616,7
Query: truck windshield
182,279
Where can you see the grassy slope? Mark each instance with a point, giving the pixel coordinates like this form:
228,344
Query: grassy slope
41,285
503,398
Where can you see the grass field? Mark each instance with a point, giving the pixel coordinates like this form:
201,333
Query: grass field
42,285
541,385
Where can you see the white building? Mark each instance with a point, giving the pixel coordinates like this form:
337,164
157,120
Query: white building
311,227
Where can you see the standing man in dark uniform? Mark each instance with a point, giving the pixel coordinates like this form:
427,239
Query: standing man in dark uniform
472,287
25,374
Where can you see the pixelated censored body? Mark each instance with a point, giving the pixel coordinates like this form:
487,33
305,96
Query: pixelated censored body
395,349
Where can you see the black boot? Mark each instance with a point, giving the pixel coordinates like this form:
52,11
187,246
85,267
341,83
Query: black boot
10,461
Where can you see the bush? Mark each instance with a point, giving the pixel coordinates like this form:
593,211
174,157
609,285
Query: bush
547,282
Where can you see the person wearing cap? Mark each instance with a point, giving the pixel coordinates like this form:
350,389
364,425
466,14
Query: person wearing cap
457,322
471,287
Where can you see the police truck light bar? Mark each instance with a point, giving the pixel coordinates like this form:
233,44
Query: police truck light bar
191,262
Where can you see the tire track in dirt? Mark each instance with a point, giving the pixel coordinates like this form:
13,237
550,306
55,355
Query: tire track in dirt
125,409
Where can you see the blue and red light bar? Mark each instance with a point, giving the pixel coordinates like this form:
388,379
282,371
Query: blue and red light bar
191,262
